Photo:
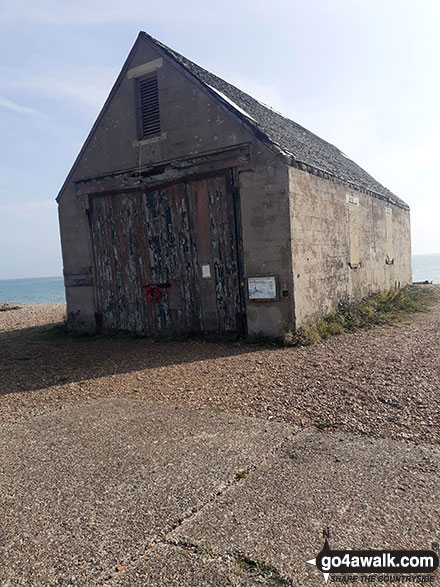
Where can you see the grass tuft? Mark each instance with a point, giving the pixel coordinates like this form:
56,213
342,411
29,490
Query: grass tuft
386,307
261,569
241,475
325,425
202,551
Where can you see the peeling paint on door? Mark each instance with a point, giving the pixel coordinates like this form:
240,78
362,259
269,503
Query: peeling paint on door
164,237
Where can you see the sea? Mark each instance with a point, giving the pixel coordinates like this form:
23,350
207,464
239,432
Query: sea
51,289
33,289
426,268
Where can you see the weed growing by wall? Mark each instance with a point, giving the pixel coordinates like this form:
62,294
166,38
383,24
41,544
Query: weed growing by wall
386,307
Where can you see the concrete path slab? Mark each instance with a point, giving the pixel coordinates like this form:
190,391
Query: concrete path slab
180,566
371,493
91,487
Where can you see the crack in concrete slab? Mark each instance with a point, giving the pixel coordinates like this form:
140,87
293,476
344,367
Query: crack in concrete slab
256,568
235,480
201,551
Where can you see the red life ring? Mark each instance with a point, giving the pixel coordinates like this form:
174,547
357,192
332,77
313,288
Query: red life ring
153,294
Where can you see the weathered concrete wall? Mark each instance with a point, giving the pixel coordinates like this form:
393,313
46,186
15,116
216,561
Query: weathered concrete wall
75,246
333,227
266,237
192,122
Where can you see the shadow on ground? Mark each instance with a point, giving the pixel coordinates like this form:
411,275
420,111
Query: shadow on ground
45,356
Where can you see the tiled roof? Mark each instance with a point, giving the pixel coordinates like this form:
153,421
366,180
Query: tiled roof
301,145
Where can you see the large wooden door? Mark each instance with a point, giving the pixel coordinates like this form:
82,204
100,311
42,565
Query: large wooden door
181,238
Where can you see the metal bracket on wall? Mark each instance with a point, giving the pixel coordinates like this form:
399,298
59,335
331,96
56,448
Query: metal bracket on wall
355,265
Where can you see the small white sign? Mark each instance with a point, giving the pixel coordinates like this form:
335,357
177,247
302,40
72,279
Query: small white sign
352,199
206,270
262,288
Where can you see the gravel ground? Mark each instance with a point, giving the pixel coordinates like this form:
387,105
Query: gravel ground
29,315
382,382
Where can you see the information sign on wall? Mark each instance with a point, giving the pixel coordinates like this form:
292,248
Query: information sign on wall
262,288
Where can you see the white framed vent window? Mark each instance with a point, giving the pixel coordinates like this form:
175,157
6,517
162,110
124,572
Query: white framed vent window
149,107
148,101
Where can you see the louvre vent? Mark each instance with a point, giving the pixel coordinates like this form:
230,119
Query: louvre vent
150,116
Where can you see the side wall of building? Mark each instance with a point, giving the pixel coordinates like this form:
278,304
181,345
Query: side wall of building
193,122
344,243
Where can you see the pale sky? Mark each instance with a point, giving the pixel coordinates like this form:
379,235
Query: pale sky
362,74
